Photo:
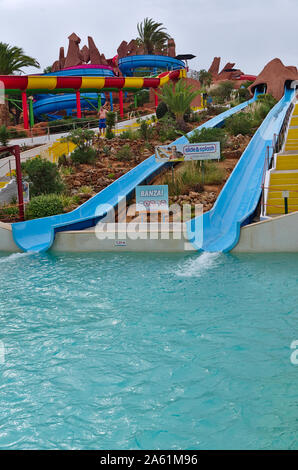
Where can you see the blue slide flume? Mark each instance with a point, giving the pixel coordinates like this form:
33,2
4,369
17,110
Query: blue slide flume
239,198
39,234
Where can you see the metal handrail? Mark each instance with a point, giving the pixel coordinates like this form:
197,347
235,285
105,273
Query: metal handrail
277,143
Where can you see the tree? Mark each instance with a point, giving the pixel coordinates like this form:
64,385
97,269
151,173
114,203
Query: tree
152,36
43,176
178,99
47,69
12,60
205,78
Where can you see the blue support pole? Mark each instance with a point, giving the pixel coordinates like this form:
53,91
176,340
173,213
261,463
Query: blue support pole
111,101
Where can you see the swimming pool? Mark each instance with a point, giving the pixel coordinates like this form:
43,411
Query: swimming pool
148,351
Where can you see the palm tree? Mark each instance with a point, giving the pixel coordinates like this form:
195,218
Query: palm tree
178,99
12,60
152,36
205,78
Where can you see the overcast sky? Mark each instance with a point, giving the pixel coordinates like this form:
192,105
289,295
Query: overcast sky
249,33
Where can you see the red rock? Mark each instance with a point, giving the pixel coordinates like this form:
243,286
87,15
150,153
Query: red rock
73,57
93,51
85,54
171,51
214,68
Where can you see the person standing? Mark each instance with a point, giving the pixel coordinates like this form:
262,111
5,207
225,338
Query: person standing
102,120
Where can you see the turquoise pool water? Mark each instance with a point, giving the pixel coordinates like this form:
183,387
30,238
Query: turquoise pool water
138,351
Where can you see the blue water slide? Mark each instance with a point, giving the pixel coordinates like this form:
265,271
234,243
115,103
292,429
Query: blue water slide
219,229
38,235
51,104
128,64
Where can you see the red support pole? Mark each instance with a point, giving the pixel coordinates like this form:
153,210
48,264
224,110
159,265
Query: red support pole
16,151
25,110
79,110
156,100
121,102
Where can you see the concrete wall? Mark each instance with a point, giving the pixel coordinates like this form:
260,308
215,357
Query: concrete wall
275,235
87,241
6,240
8,192
279,234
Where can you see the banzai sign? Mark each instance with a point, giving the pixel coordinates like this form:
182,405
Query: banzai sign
188,152
152,198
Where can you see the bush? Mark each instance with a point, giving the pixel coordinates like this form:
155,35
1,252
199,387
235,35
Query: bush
43,176
125,153
4,136
209,135
142,97
161,110
145,131
109,134
129,134
240,123
167,128
222,92
44,206
79,156
82,138
110,119
8,211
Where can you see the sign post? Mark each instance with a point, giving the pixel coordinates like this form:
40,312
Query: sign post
286,195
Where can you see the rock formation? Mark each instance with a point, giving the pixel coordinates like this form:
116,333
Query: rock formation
73,57
90,54
171,48
214,68
93,52
227,73
275,75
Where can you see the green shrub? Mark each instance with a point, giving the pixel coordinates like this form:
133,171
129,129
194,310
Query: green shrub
167,128
161,110
110,119
240,123
145,131
79,156
128,134
209,135
215,110
82,138
43,176
142,97
125,153
9,211
222,92
109,134
44,206
4,136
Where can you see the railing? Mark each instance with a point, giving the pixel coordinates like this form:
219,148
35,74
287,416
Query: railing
194,74
279,140
277,144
